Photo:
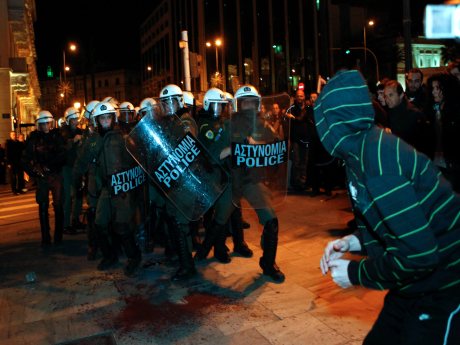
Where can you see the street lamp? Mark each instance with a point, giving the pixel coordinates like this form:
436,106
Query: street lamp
370,23
217,44
72,47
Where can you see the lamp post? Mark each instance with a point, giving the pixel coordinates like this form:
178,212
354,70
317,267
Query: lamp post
73,48
217,44
370,23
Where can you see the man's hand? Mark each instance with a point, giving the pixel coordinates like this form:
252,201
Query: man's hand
339,272
334,250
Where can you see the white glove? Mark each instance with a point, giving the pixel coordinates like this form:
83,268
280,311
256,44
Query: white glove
339,272
335,250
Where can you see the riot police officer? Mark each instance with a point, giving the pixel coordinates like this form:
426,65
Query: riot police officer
246,181
43,159
72,197
156,231
172,102
85,164
214,134
120,181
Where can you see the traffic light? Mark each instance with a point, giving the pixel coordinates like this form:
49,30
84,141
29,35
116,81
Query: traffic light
49,72
347,51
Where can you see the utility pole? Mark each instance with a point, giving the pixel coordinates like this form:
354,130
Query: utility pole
272,49
407,35
286,38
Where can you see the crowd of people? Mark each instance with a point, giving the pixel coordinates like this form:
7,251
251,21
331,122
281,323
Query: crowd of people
86,158
395,150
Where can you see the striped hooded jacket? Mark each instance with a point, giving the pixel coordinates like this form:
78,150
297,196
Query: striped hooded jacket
408,215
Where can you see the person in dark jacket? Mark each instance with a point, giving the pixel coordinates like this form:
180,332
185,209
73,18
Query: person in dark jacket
444,112
408,222
43,159
2,165
301,128
407,121
14,149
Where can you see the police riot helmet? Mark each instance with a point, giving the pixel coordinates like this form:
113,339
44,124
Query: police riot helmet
87,109
127,113
112,100
172,99
104,108
71,113
44,116
146,106
189,98
214,101
245,93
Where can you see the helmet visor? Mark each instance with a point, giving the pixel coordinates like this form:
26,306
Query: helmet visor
170,105
126,116
248,103
216,108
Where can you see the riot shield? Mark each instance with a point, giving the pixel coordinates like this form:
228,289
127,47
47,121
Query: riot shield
177,163
260,151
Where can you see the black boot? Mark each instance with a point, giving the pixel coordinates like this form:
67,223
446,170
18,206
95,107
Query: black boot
210,237
58,223
239,245
270,244
133,254
181,235
44,224
220,249
109,256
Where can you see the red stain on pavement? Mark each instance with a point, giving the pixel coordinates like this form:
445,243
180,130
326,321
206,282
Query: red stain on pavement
140,314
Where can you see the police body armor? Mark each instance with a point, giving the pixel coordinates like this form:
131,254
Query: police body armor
260,154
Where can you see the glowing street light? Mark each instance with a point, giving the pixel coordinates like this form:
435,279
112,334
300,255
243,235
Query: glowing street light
370,23
217,44
72,47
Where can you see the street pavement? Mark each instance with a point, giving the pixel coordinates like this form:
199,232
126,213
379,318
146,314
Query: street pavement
70,302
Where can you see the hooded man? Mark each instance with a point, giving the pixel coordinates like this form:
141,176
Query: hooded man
408,222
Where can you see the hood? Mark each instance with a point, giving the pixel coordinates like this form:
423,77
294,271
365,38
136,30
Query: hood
343,112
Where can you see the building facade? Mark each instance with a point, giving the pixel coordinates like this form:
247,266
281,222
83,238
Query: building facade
19,86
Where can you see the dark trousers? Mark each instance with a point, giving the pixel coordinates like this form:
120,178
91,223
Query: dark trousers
429,320
299,165
17,178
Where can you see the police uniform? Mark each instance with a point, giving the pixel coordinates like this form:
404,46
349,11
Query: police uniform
178,224
43,159
119,180
214,134
86,164
72,197
247,182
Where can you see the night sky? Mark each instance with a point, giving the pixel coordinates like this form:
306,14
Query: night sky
110,29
